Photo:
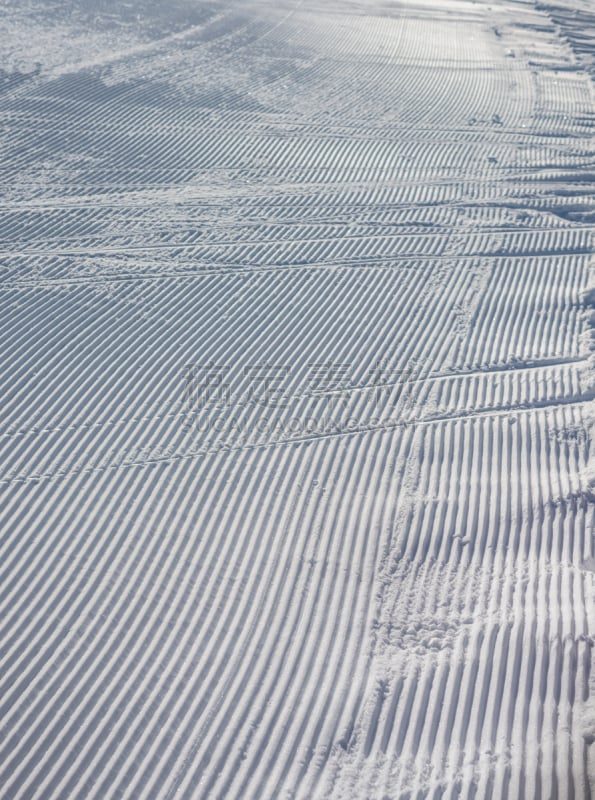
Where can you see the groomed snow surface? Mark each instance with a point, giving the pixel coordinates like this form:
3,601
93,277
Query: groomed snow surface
296,399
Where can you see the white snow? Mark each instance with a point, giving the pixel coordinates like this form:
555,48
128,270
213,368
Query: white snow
297,399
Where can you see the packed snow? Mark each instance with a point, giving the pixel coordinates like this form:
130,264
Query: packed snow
297,496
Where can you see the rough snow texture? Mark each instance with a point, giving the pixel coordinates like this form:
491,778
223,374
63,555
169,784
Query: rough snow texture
376,582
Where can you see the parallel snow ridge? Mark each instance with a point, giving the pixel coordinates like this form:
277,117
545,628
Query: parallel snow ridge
297,402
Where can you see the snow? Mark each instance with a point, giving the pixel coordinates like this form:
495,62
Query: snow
297,399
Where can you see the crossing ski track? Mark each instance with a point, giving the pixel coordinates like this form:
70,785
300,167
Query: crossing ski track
381,587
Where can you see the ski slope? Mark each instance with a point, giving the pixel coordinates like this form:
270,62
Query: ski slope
297,498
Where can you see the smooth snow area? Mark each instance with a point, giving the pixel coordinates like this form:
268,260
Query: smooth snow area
297,390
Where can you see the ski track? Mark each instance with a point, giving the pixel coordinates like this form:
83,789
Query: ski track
380,589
